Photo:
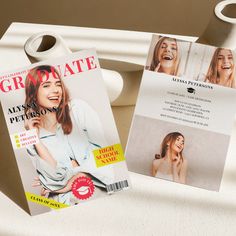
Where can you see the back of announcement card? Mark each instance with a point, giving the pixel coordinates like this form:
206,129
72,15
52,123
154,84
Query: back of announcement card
184,115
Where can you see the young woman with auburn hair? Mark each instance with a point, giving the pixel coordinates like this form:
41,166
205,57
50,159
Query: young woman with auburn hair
68,130
170,163
222,68
166,56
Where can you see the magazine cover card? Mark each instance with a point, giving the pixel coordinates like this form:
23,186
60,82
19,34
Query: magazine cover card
184,114
62,132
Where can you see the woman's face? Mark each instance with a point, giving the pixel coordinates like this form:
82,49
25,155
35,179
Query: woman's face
178,145
225,62
167,53
49,92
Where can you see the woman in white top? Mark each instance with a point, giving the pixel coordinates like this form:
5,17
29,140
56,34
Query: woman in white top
166,56
68,130
222,68
170,164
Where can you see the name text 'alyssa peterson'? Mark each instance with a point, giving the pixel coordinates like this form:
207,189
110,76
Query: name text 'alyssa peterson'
34,111
192,83
71,68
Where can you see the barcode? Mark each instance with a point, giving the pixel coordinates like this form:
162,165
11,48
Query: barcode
111,188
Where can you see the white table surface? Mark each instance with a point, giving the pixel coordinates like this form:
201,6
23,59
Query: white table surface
152,206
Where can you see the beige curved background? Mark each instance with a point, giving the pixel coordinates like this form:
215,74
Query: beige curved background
186,17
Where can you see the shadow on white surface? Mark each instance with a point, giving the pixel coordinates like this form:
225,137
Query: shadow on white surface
147,209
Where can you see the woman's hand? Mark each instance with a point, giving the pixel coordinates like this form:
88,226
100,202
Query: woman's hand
44,192
66,189
68,186
37,183
32,123
157,67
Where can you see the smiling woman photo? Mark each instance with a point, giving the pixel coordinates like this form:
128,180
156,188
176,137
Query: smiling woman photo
222,68
67,136
170,163
166,56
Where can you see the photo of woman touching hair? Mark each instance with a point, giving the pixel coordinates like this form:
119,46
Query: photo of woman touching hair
170,163
68,131
222,68
166,56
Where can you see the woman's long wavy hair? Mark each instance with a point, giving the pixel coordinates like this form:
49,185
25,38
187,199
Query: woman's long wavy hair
167,143
213,75
155,60
32,83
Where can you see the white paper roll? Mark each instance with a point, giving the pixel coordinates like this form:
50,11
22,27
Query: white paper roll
221,30
122,90
45,45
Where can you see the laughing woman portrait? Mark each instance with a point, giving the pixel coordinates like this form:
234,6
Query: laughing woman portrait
222,68
166,56
68,131
170,163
